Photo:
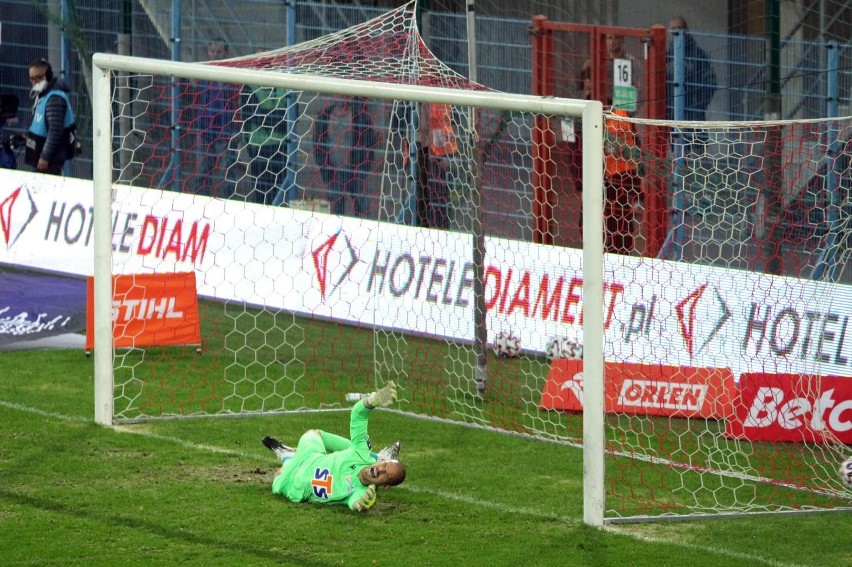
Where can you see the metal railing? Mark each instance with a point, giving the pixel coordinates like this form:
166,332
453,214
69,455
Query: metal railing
503,55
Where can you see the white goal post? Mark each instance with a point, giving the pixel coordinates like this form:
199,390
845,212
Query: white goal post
106,68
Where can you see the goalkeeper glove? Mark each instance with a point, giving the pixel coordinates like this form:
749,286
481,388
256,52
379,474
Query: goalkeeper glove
366,501
384,397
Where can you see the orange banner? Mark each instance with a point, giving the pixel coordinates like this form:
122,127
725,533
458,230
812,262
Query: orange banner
149,310
648,389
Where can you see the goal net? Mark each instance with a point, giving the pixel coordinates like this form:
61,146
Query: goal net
414,241
727,378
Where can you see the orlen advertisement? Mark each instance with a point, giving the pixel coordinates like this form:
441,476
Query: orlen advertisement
789,407
421,280
645,389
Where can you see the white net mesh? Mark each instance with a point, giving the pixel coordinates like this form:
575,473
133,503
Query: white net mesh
725,365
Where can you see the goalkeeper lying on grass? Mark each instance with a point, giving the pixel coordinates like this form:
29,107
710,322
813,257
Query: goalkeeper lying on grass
329,469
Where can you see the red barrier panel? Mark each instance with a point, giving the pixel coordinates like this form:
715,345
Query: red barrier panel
649,389
793,407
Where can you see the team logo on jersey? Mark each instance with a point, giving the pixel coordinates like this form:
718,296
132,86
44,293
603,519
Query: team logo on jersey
321,483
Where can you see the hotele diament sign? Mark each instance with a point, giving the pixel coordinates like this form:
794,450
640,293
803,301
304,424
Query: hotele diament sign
421,280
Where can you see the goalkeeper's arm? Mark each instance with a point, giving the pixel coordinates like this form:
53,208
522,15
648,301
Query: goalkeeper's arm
361,412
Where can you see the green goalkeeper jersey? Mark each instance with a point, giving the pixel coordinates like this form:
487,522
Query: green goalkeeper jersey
315,475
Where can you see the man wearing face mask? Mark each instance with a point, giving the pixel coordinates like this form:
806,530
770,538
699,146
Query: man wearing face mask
51,131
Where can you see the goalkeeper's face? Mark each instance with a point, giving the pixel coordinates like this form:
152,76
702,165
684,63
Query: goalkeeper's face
384,473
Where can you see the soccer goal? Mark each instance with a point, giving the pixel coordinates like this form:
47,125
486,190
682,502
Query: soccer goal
352,211
407,241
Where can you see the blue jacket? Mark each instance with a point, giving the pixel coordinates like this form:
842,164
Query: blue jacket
52,120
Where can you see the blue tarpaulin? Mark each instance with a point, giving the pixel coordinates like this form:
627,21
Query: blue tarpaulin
35,306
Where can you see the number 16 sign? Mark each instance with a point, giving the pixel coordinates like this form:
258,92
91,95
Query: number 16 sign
624,93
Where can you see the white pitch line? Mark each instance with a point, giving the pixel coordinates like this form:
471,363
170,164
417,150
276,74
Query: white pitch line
702,548
492,505
530,512
59,416
183,442
124,429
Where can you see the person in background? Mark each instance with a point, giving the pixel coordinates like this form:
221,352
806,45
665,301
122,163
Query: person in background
217,125
622,183
51,135
438,151
622,179
699,78
8,116
344,142
265,130
614,49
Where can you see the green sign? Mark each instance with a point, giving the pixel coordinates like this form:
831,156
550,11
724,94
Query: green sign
624,98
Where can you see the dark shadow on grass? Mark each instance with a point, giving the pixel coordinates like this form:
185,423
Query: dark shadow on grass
156,529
